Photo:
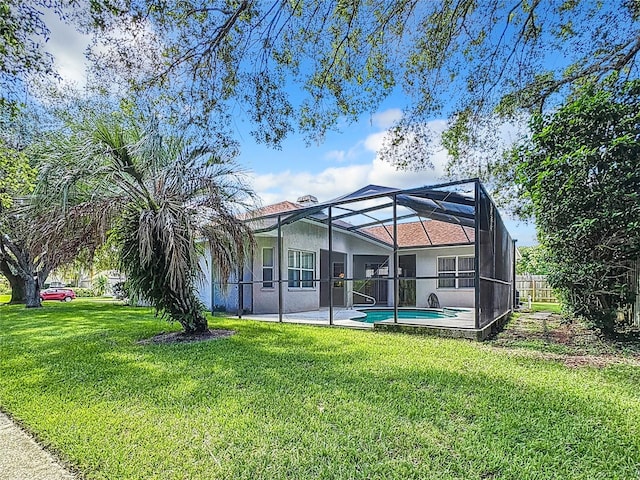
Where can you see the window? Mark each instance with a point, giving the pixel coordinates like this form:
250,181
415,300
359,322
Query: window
267,267
446,272
466,272
456,272
301,269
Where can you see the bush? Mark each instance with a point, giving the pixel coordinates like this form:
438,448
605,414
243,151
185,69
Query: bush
85,292
580,175
5,288
100,284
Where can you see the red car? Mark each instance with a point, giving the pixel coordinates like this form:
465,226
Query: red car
62,294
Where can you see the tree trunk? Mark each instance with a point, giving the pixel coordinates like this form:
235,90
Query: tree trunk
18,294
188,313
33,293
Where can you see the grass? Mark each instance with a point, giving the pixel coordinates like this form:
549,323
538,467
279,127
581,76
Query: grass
285,401
541,307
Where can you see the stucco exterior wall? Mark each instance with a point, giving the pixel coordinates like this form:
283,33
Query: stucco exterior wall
310,237
427,265
212,294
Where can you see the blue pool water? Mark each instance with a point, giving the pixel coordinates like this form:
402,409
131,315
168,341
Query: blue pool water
378,315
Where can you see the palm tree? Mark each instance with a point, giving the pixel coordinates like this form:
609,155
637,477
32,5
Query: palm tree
165,195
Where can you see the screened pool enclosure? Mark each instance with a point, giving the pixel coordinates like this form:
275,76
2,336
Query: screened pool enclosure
436,256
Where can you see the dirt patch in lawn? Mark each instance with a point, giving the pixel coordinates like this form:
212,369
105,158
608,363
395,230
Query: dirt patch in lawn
550,336
181,337
577,361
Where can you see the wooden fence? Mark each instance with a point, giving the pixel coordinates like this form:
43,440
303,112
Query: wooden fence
540,291
536,286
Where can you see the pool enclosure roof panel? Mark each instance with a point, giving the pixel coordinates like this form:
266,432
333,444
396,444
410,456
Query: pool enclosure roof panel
373,205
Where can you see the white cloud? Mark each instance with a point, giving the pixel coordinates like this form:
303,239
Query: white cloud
374,142
336,181
325,185
67,46
335,155
352,154
386,118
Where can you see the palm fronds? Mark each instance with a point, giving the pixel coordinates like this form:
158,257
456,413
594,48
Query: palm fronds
175,195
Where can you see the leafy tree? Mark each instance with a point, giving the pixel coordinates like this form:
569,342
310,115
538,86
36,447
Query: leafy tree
533,260
162,195
16,180
476,62
16,175
581,176
32,244
23,32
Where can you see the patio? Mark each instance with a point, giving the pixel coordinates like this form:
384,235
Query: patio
352,318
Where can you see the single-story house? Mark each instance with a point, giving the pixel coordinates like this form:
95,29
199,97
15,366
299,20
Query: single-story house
432,247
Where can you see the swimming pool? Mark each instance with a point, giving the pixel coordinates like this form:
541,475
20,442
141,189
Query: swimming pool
379,314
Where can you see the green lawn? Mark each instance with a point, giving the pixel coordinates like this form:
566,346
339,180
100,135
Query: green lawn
545,307
284,401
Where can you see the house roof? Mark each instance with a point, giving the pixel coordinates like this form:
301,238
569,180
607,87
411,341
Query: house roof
423,233
274,209
412,234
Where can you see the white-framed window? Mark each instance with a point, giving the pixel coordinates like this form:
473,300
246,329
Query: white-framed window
456,272
267,267
466,272
301,268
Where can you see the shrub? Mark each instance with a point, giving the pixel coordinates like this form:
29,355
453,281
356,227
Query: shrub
100,284
85,292
5,288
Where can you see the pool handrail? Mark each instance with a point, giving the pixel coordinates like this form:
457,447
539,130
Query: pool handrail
355,292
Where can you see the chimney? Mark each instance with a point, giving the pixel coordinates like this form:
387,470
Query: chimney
307,200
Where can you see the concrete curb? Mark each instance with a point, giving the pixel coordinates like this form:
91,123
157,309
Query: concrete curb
22,458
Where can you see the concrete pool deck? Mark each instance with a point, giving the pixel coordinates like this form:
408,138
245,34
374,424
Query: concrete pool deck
346,317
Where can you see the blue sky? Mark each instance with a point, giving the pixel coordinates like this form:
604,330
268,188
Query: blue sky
344,162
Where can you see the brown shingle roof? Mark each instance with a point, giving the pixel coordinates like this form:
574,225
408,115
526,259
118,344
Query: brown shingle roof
279,207
413,234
